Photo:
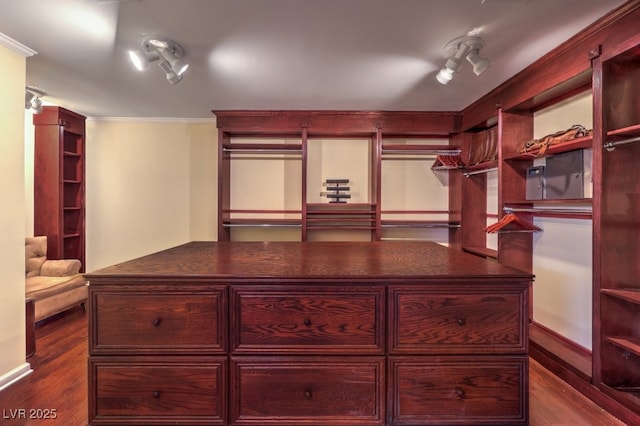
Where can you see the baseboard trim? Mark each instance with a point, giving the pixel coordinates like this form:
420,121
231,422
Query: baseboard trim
565,352
15,375
545,348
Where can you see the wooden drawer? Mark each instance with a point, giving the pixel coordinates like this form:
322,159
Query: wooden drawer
309,320
307,390
482,321
136,322
168,390
458,390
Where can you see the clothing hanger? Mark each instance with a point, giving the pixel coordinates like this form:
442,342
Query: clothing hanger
510,222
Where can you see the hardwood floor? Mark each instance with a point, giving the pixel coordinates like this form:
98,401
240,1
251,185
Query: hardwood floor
59,382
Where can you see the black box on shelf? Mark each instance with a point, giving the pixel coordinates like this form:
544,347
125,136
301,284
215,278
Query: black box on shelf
567,175
535,183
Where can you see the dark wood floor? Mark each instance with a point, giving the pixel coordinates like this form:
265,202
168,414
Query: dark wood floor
59,382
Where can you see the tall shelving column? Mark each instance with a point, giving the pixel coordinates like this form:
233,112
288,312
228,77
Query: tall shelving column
514,249
59,189
473,186
616,314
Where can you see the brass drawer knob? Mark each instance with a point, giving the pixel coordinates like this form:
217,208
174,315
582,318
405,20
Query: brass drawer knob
460,321
156,321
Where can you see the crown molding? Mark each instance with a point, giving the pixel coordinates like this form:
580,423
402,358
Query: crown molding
17,47
211,120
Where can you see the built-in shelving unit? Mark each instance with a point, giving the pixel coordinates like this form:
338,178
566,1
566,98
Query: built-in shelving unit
334,146
414,197
617,289
59,190
261,165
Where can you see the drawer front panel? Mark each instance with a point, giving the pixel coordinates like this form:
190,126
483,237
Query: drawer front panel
138,323
488,390
303,320
159,392
483,322
309,390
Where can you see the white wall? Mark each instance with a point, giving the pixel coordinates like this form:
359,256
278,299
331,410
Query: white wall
203,181
150,185
409,184
562,253
12,215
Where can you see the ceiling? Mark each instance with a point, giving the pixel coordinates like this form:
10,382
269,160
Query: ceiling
281,54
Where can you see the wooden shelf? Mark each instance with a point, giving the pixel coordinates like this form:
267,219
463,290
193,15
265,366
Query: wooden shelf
632,296
624,132
572,145
262,221
630,344
420,224
482,251
339,208
572,201
484,166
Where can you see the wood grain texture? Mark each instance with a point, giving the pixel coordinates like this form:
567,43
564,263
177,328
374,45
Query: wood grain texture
59,381
439,322
300,320
174,390
299,390
458,390
176,321
233,261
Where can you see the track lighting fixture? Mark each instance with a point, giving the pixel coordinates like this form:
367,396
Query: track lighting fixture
168,52
456,51
33,99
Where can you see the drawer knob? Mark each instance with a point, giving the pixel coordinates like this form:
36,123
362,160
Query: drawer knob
156,321
460,392
460,321
307,322
307,393
156,394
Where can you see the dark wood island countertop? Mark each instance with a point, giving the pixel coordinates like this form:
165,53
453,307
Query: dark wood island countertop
381,333
326,261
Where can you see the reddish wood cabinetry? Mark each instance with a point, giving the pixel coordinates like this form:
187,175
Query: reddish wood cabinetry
616,351
59,182
344,333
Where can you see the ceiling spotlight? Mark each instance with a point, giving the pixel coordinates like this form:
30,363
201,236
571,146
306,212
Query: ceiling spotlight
33,99
168,52
456,51
479,64
445,75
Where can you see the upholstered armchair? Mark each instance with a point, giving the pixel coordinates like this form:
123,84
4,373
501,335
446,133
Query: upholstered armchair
54,285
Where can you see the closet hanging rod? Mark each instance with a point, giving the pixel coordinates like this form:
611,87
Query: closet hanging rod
402,239
260,225
610,146
422,225
477,172
421,152
553,211
262,150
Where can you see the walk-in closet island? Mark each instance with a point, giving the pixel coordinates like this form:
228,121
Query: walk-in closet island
277,333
